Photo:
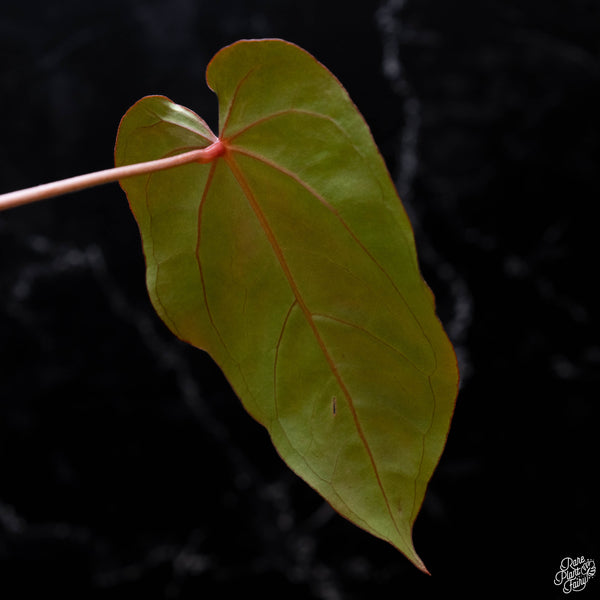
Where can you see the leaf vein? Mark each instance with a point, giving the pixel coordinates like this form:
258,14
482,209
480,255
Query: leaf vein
343,222
265,119
200,220
276,360
375,338
307,314
238,87
210,139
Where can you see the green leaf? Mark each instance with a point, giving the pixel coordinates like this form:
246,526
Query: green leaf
290,260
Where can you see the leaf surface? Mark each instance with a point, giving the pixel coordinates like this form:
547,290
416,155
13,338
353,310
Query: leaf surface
290,260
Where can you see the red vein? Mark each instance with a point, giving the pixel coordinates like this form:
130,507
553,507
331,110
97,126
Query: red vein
309,318
151,126
373,337
339,499
277,347
238,87
215,150
197,252
155,261
424,436
341,220
279,114
210,138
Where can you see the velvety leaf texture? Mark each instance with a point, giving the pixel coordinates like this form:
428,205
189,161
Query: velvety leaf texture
290,260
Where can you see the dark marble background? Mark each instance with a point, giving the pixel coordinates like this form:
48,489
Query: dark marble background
127,467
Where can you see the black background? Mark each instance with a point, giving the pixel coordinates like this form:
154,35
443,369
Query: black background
127,467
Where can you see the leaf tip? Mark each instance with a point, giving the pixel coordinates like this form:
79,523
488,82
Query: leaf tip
421,566
415,559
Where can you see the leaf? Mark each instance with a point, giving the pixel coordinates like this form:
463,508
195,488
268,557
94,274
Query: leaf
291,261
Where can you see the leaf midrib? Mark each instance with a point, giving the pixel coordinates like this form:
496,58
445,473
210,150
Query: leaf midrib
244,185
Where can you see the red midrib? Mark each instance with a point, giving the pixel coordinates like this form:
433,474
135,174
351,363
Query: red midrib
307,314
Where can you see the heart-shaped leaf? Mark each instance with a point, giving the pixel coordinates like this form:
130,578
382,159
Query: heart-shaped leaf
289,259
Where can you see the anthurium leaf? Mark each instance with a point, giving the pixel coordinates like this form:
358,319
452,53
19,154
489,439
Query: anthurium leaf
289,259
